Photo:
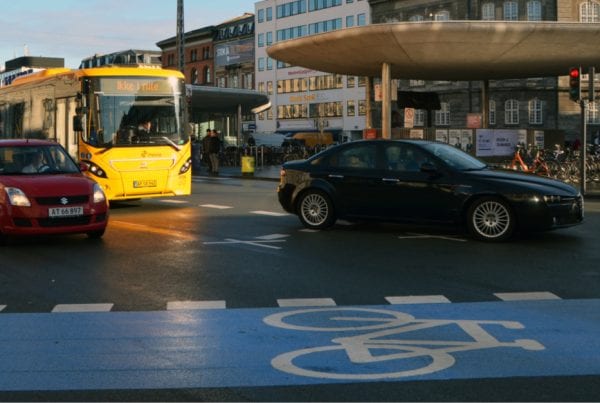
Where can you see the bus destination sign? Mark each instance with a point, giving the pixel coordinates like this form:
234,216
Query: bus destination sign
137,86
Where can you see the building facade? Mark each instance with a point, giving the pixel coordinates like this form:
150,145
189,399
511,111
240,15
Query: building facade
303,99
536,103
234,53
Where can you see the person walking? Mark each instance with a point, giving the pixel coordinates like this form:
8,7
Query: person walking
214,147
205,147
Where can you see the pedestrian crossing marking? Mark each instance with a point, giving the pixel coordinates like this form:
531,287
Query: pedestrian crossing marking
300,302
66,308
525,296
418,299
181,305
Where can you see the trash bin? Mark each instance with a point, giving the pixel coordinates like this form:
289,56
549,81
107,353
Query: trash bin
247,165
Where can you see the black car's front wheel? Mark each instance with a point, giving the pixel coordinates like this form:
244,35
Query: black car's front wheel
490,219
315,210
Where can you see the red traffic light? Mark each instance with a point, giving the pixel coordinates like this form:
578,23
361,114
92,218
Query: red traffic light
574,72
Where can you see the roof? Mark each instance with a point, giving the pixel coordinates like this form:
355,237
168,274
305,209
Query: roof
448,50
226,100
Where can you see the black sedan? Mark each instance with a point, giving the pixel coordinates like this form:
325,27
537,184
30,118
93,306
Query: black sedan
423,182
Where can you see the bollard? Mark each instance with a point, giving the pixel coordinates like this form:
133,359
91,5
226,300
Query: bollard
247,165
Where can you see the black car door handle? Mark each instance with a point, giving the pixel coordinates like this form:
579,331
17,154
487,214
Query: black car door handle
332,176
391,180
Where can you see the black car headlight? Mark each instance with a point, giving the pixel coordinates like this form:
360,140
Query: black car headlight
552,199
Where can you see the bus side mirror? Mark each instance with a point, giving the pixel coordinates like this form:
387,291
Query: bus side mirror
77,124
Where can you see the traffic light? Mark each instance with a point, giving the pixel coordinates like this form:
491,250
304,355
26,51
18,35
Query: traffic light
575,84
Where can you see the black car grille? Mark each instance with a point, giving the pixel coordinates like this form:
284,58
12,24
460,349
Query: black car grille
64,221
58,200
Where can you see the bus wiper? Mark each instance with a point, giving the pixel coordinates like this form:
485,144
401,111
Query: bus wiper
171,143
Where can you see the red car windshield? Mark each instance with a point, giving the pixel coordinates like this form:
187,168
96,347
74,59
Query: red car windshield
35,160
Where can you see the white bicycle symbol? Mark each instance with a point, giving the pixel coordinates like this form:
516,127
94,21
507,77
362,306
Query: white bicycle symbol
378,345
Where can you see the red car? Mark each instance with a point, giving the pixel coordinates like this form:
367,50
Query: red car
42,192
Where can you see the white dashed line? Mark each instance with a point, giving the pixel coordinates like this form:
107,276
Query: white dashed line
272,236
418,299
62,308
299,302
216,206
174,201
179,305
269,213
2,307
525,296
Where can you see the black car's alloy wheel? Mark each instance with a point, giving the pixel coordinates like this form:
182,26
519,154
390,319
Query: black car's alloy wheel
490,219
315,210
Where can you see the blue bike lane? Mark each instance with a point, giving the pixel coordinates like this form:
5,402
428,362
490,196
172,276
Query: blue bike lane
298,346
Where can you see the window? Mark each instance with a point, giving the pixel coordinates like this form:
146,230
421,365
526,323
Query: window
441,16
261,64
207,75
349,21
351,81
488,12
261,15
511,11
221,82
194,77
535,112
419,117
314,5
270,87
589,11
361,19
350,111
592,113
492,112
269,63
362,108
361,156
261,40
416,83
269,38
534,10
511,112
416,18
269,14
442,116
248,78
404,157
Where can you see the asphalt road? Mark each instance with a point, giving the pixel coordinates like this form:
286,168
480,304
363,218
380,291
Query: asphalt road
172,304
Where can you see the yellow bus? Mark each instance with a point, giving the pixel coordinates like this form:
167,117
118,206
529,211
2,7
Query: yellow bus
125,124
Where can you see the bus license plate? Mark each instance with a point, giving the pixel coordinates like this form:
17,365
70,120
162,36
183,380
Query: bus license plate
65,211
146,183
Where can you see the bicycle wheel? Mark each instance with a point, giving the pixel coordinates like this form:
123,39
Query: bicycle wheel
412,360
338,319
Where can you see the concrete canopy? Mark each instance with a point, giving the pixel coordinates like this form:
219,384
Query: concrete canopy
448,50
227,100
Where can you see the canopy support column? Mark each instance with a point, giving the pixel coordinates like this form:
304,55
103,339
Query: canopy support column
386,101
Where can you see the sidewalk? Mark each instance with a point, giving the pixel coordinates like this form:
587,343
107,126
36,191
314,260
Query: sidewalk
271,173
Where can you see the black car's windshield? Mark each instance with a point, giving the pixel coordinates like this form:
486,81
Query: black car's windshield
454,157
35,160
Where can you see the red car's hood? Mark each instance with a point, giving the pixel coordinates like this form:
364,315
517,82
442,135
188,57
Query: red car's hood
45,185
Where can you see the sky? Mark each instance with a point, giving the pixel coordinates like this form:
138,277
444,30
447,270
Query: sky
76,29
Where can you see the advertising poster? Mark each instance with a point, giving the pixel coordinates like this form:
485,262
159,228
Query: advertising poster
492,143
416,134
441,135
538,136
454,138
466,140
522,138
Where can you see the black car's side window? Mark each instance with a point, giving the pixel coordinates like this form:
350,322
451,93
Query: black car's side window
404,158
359,157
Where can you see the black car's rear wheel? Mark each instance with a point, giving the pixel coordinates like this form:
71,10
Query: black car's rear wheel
315,210
490,219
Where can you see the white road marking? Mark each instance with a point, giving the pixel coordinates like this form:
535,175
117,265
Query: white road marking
269,213
178,305
62,308
300,302
309,230
418,299
173,201
410,235
272,236
525,296
2,307
260,243
216,206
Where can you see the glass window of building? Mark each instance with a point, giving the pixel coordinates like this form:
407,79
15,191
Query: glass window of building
261,64
535,112
261,87
194,76
269,38
260,41
442,116
260,16
416,18
349,21
207,75
362,81
361,19
534,10
269,63
511,11
589,11
351,81
314,5
419,118
488,11
350,108
248,78
269,13
362,107
269,87
511,112
441,16
492,112
221,82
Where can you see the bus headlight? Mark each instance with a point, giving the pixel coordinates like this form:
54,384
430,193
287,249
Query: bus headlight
186,167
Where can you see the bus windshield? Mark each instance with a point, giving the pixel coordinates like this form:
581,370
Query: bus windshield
144,111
